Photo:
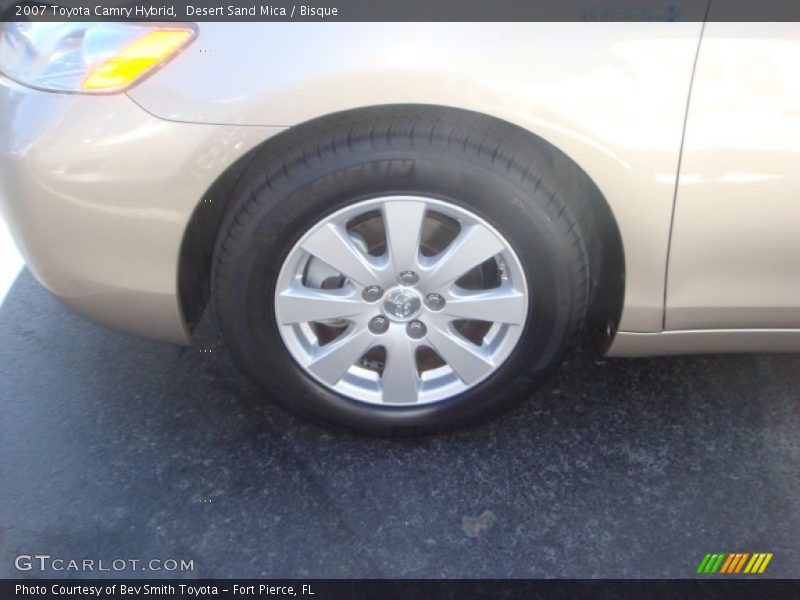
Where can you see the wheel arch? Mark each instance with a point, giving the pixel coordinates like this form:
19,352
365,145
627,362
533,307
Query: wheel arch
604,242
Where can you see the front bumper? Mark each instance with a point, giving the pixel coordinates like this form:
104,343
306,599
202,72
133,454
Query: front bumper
98,194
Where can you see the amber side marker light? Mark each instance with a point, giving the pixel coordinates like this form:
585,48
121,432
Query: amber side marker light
137,59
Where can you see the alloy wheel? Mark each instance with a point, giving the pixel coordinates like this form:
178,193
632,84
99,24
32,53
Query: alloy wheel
401,300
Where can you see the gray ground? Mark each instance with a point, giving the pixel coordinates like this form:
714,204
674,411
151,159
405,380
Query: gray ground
113,446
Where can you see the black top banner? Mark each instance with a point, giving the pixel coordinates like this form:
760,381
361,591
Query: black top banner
401,10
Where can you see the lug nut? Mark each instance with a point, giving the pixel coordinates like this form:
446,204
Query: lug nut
416,329
434,301
408,278
372,293
378,324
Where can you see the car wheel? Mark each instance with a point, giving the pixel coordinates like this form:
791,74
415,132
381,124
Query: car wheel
400,276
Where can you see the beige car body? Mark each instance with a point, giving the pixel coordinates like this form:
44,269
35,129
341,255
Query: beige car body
691,132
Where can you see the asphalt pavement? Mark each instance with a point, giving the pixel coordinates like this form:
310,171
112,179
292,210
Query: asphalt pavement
114,447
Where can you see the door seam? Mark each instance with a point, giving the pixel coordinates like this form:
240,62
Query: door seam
678,171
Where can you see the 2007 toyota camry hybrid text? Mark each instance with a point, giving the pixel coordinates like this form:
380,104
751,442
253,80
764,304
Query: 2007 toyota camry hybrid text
401,231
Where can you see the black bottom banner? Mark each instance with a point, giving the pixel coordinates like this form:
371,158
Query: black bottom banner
387,589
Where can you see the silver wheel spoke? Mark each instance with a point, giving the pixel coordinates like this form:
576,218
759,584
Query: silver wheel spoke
333,246
400,380
474,245
302,304
333,360
465,358
500,305
403,223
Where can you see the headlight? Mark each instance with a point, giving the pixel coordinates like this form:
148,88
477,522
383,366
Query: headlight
87,57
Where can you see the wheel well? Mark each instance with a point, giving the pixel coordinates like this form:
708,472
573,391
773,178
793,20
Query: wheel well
600,229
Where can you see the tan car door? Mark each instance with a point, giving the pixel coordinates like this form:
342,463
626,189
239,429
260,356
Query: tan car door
734,259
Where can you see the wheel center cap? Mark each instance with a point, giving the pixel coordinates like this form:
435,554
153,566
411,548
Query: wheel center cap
401,304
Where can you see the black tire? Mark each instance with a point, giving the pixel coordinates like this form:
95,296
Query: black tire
476,164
